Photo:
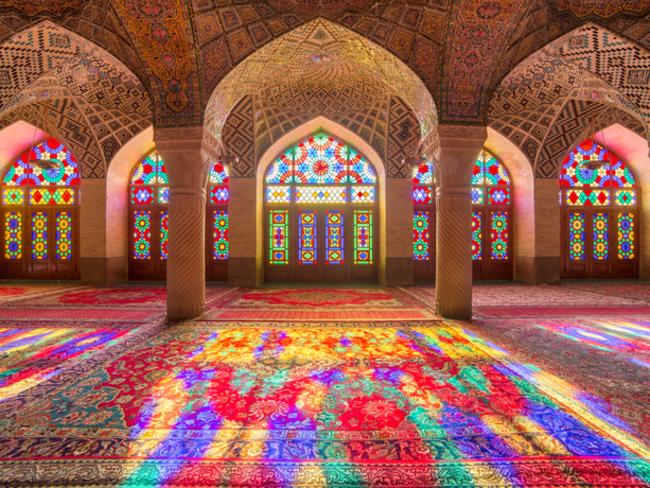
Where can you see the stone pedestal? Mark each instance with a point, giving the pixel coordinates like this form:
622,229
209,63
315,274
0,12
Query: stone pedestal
187,168
459,148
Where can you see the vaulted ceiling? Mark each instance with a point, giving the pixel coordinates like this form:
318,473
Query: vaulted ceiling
161,60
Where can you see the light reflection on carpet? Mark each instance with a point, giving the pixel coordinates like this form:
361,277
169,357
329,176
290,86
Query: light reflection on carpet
320,406
29,356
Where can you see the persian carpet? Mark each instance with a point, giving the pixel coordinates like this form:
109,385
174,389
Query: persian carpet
262,405
608,358
624,289
318,304
88,314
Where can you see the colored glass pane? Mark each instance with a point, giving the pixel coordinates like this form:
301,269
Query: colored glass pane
321,194
494,173
478,195
576,236
589,164
307,252
219,175
281,170
362,194
164,234
61,170
142,195
39,236
499,196
499,234
363,252
13,196
13,235
63,236
625,197
163,195
220,243
477,236
335,237
587,198
278,194
150,171
421,236
278,237
625,224
423,175
422,195
142,234
219,194
45,196
600,236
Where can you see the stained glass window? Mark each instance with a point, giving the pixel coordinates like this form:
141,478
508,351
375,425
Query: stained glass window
492,200
219,196
421,235
45,177
220,235
142,234
164,234
312,190
335,240
595,185
279,237
423,210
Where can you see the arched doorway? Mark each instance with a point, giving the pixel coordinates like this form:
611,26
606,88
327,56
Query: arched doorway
40,214
148,214
599,214
320,210
491,220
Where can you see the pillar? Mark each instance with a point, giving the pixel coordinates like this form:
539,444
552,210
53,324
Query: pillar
188,171
244,262
398,213
459,148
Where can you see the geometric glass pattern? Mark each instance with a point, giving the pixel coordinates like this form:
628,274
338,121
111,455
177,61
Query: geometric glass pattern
422,195
307,252
593,176
363,242
321,194
500,237
142,234
164,234
46,175
278,194
478,195
220,235
577,243
499,196
279,236
421,235
219,194
63,235
13,225
600,236
63,171
477,236
625,227
39,236
362,194
335,237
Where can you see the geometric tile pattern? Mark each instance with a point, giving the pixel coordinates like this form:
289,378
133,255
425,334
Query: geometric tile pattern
239,139
403,139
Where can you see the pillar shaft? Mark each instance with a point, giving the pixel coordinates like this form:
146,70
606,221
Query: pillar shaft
244,263
459,148
399,232
181,150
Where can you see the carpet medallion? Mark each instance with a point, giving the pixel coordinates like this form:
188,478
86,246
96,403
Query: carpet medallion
282,405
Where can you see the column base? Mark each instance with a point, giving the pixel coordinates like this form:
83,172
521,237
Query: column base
398,272
103,271
243,272
538,270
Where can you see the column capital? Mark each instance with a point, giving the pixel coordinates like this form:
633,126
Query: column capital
461,136
178,138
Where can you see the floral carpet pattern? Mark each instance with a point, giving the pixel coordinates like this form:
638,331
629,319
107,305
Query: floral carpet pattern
428,403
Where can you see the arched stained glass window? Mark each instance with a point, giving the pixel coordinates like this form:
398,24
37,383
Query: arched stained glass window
40,197
323,192
148,218
491,219
598,195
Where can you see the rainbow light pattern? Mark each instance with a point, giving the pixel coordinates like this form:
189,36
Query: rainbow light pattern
275,406
33,355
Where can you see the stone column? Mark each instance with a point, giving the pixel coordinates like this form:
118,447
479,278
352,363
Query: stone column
459,148
188,171
244,263
398,269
